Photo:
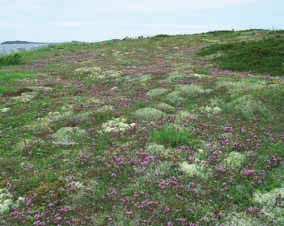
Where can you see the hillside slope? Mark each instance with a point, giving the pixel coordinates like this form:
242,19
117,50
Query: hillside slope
151,131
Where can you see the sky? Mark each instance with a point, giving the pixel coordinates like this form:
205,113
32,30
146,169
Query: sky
97,20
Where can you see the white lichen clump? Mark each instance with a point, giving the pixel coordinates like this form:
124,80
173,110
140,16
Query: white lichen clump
3,110
184,115
211,110
155,149
175,98
52,116
272,203
166,108
234,160
149,114
106,108
6,201
245,84
88,71
156,92
240,219
141,78
25,97
116,125
68,135
198,75
248,107
192,90
193,170
97,73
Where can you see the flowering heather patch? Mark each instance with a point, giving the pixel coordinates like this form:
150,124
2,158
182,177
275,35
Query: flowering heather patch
140,132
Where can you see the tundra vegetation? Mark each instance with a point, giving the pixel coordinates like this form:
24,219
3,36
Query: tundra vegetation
163,130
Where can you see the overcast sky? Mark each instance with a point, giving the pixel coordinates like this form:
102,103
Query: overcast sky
96,20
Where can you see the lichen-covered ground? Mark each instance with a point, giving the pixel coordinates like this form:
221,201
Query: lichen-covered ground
140,132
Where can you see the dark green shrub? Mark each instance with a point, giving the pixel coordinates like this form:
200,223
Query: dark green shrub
11,59
161,36
264,56
223,33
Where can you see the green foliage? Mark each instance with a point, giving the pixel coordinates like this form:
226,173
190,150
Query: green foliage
226,33
140,104
172,136
272,149
102,116
11,59
215,48
201,71
264,56
127,158
12,76
160,36
9,79
103,141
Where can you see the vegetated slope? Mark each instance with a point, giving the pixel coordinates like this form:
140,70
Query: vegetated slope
142,132
263,56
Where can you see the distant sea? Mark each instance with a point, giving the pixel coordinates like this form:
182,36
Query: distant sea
13,48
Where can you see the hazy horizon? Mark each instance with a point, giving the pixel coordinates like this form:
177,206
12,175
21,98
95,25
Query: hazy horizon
91,21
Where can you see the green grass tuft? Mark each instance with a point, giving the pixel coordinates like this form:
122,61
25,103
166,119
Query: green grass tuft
172,136
10,78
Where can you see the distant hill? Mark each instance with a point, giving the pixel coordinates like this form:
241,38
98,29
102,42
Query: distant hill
21,42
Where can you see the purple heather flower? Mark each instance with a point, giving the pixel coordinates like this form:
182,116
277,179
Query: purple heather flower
129,213
250,210
249,172
181,220
221,169
167,209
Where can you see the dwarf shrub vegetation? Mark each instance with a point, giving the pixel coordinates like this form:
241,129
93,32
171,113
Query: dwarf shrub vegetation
11,59
264,56
168,139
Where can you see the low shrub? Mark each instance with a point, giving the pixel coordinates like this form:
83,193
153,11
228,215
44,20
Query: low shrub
11,59
264,56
